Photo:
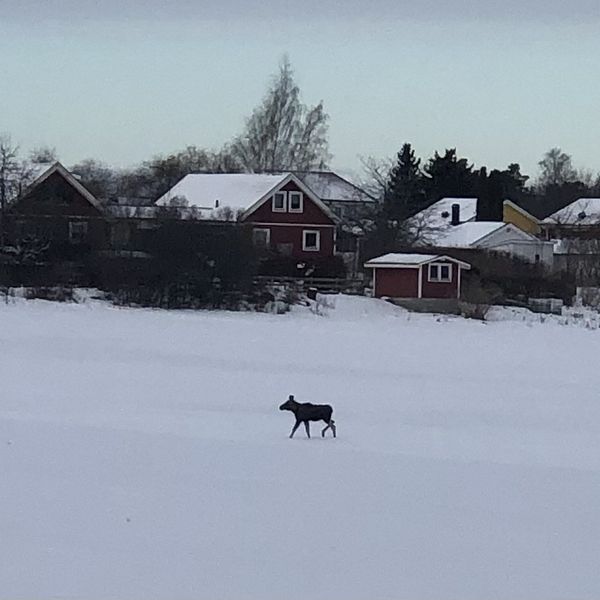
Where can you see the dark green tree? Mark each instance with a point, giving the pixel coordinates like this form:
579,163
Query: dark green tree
497,186
404,192
449,176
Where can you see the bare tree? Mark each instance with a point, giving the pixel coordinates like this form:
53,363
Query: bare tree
556,168
97,177
283,133
10,179
43,155
376,175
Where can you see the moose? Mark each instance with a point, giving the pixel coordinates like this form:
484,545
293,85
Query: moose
306,412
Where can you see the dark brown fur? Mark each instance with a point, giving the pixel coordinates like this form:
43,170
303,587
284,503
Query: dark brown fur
306,412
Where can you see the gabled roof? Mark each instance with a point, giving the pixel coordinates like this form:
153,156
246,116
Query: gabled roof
583,211
439,214
331,187
208,191
57,167
243,193
401,259
466,234
520,210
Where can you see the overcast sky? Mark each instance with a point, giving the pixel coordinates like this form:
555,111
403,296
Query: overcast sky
123,80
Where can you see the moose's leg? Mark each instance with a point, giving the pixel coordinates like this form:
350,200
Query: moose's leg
325,429
296,425
306,424
332,425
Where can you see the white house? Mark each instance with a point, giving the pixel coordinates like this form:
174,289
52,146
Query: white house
450,223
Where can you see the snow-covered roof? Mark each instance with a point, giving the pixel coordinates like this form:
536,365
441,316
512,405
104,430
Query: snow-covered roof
208,192
227,196
331,187
465,234
583,211
439,215
409,260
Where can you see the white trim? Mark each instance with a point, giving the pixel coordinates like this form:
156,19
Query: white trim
420,282
290,224
318,236
516,207
268,240
434,258
68,176
374,283
458,282
79,237
291,194
302,187
439,279
506,227
391,266
285,201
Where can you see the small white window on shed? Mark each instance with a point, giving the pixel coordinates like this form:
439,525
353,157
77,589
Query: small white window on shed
280,202
440,273
311,240
78,232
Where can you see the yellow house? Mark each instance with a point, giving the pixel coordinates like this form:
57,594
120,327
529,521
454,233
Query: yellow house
519,217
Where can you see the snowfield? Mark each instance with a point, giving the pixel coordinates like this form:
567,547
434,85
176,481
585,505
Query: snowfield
142,455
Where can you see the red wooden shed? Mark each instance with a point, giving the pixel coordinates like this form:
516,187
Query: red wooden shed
400,275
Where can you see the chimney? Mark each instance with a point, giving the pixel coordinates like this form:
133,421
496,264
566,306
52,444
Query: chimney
455,214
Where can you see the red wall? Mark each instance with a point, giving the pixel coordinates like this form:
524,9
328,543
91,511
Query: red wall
55,196
404,283
438,289
293,224
397,283
311,214
286,234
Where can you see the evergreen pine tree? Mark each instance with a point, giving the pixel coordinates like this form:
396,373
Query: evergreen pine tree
404,193
449,176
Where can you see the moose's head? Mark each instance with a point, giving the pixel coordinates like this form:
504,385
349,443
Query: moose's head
289,404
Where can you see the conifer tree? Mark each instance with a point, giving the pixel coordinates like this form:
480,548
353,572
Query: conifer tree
405,193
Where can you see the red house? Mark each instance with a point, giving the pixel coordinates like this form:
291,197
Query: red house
416,276
285,215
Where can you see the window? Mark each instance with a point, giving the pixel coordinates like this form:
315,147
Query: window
119,235
440,273
261,237
296,200
280,202
311,240
285,249
78,231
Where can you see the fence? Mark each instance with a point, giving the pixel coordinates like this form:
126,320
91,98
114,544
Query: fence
320,284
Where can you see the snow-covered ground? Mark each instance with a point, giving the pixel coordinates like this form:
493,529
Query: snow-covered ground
142,455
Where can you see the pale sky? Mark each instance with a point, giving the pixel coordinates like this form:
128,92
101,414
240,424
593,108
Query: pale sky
124,80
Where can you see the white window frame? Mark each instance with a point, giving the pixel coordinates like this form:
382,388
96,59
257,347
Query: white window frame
316,248
294,194
439,278
78,238
267,240
285,203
